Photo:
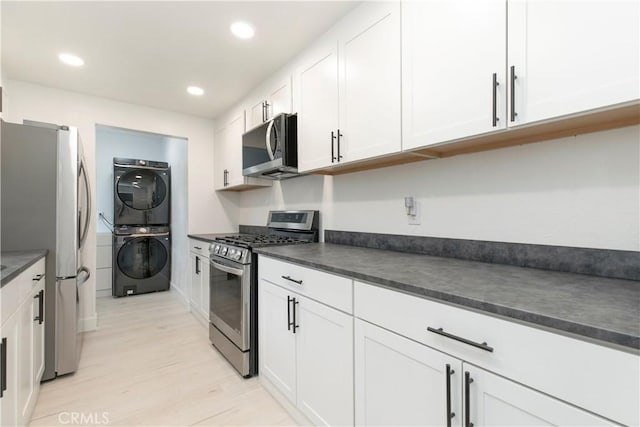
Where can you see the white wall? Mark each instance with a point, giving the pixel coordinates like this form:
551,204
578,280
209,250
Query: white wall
208,211
581,191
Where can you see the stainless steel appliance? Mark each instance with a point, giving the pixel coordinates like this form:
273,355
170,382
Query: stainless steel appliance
46,204
233,282
270,150
141,260
141,192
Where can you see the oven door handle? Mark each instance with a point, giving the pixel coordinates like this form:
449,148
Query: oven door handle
226,269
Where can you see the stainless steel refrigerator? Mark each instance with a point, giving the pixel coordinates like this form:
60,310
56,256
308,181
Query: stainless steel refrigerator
46,204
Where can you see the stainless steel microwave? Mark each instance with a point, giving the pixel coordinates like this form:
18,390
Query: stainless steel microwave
270,150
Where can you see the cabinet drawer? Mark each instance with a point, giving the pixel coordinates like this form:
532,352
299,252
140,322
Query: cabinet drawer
585,374
329,289
20,288
199,247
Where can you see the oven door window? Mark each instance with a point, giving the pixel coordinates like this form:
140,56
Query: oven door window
226,297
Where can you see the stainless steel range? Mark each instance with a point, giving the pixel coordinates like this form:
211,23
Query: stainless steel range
233,282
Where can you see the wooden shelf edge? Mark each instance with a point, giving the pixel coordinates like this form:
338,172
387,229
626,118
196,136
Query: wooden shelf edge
596,121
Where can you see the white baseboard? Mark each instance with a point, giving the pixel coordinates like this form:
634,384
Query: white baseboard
88,324
183,296
101,293
294,412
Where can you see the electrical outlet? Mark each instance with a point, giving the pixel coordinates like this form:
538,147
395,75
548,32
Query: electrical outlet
413,210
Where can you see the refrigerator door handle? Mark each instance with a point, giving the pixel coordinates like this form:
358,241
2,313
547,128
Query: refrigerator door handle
87,189
82,278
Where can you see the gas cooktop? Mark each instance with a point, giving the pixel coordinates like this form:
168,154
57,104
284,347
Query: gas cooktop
257,240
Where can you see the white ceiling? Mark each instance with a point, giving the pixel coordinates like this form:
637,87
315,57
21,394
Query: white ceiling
148,52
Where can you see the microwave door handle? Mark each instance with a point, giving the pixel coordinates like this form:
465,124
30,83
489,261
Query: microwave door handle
267,140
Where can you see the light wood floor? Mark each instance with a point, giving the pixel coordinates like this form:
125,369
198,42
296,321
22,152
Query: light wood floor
150,363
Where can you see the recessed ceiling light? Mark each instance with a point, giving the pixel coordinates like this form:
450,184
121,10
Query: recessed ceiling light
195,90
242,30
70,59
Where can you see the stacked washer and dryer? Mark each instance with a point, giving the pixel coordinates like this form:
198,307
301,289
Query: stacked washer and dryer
142,233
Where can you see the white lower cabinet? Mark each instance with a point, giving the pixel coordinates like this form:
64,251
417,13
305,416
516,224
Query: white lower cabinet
403,383
306,353
495,401
199,280
22,350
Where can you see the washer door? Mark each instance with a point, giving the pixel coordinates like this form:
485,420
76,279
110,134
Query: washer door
142,257
141,189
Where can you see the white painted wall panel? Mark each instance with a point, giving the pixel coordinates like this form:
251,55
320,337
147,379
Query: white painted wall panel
580,191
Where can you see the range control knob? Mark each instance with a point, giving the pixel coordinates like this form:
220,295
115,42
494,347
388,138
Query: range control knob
224,250
238,255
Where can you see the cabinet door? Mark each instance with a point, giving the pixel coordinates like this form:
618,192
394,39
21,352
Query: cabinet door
279,99
256,113
277,343
204,283
220,158
38,334
495,401
370,82
196,281
451,51
9,402
26,353
325,363
572,56
403,383
228,152
318,107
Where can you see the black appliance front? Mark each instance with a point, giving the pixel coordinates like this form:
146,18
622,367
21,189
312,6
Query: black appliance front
141,260
142,192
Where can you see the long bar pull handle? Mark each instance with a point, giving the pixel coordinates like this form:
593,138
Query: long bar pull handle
3,367
482,346
295,325
495,100
197,247
40,298
299,282
266,110
197,264
339,136
450,414
333,154
467,399
289,299
37,277
513,93
41,307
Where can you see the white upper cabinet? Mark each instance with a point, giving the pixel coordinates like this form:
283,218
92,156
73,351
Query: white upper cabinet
348,89
317,93
269,100
572,56
453,69
369,76
228,155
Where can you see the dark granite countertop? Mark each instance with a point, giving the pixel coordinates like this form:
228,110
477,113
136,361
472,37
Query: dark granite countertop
16,262
588,306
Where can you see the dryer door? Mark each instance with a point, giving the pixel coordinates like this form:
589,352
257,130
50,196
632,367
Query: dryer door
142,257
142,197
